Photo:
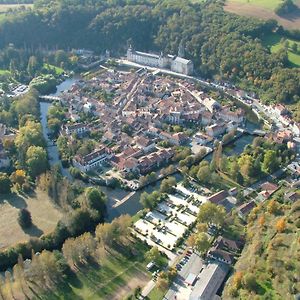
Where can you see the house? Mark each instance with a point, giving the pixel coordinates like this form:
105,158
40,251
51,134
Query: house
292,196
209,281
92,160
215,130
228,244
78,128
218,197
127,165
227,115
145,144
211,104
175,139
202,139
148,162
245,209
206,118
280,110
221,255
267,189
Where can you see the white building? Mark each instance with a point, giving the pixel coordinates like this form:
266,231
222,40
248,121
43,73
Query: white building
182,66
78,128
175,63
92,160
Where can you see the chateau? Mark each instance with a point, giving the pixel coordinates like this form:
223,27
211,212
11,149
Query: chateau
177,64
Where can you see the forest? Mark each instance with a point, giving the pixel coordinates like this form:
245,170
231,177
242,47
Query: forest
222,45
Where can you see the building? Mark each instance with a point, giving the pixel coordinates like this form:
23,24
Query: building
182,66
209,281
218,197
221,255
148,59
228,244
92,160
245,209
215,130
175,63
78,128
211,104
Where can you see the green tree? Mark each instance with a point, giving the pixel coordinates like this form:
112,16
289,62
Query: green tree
36,161
202,243
96,199
270,163
211,214
167,185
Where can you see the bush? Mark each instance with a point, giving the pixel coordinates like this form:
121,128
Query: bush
24,218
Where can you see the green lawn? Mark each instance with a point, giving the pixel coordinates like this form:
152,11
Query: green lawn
58,70
156,294
273,42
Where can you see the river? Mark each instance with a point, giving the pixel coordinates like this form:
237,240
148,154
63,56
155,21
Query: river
132,205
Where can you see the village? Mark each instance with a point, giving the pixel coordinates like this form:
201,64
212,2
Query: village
138,123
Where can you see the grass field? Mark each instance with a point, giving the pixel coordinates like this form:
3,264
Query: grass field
44,216
5,7
57,69
4,72
273,42
115,278
263,9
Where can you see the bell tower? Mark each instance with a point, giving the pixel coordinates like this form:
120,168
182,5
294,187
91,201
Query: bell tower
181,50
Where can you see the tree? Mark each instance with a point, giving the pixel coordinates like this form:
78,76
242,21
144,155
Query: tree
294,47
211,214
249,282
18,178
24,218
36,160
202,243
204,174
5,183
270,162
96,199
273,207
280,225
149,200
154,255
167,185
202,227
246,164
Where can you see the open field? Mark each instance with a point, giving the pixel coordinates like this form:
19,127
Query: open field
6,7
273,42
263,9
44,216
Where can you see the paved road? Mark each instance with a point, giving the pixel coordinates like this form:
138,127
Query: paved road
194,266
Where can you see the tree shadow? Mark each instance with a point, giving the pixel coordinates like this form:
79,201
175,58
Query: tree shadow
14,200
33,230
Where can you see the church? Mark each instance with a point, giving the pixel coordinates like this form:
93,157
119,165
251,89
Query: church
175,63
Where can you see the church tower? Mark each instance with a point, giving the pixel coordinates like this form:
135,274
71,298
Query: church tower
181,51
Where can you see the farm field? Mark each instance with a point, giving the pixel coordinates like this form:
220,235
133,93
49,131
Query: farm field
273,42
44,217
263,9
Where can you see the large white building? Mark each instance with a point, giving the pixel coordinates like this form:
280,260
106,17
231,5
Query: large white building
175,63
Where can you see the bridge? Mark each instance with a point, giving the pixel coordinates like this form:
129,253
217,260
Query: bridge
50,98
252,132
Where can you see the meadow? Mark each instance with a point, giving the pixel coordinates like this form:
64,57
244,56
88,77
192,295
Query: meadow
273,42
43,212
264,9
